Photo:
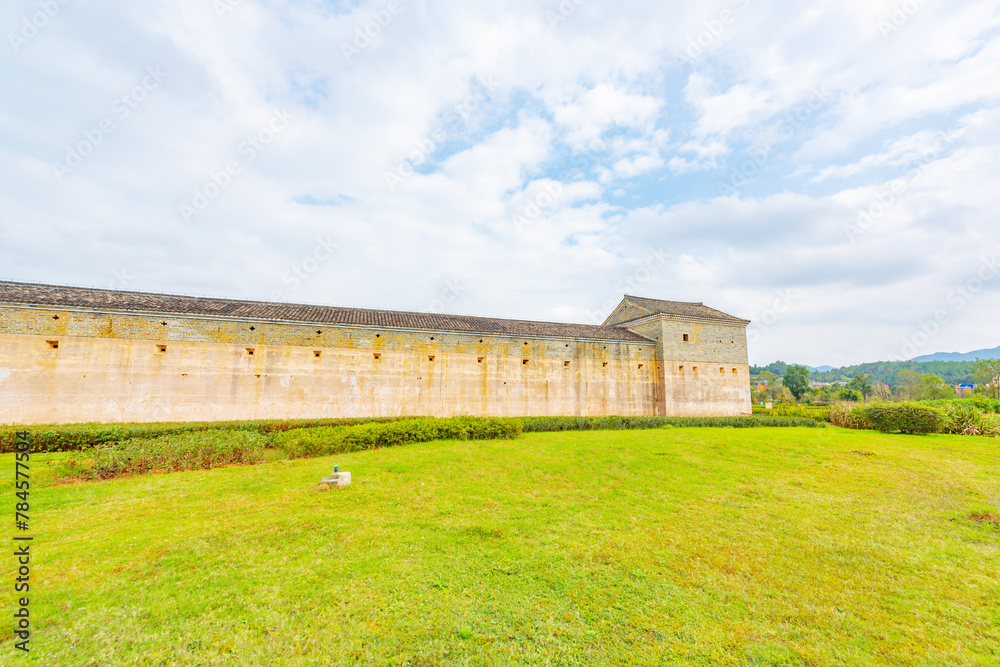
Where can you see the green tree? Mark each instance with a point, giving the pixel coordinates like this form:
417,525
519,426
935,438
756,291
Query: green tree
862,384
933,387
987,372
909,385
849,395
797,380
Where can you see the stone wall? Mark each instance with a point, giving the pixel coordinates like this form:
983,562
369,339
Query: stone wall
69,366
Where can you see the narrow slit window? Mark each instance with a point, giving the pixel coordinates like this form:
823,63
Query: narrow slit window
54,344
161,348
685,338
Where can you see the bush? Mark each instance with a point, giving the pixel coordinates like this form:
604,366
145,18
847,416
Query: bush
323,441
907,418
847,415
539,424
75,437
964,418
185,451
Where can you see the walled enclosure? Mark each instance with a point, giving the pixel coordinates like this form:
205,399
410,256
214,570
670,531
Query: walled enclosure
75,355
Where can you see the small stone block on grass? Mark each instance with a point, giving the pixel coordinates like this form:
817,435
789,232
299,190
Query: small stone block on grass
337,479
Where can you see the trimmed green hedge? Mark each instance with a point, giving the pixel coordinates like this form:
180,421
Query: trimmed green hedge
907,418
614,423
323,441
75,437
184,451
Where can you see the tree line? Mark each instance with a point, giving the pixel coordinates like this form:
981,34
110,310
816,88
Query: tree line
907,384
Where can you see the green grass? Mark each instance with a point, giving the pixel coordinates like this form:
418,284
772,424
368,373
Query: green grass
669,546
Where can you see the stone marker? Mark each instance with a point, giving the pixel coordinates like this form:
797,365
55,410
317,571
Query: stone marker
337,479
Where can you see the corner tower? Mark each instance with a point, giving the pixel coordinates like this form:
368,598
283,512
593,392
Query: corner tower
702,362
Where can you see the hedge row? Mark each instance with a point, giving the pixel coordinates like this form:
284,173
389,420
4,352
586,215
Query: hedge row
75,437
613,423
323,441
168,453
956,417
981,403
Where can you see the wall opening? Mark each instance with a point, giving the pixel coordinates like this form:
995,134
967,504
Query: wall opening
161,348
734,372
685,338
524,362
695,369
377,356
317,353
680,369
604,364
722,370
640,367
54,344
430,357
479,360
565,364
249,351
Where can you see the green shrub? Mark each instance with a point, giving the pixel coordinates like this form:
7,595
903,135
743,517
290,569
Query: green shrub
909,418
323,441
629,423
185,451
981,403
75,437
848,415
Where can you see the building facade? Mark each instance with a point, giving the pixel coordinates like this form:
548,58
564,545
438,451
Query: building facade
71,355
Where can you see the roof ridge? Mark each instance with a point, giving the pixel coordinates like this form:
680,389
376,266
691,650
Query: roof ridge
180,304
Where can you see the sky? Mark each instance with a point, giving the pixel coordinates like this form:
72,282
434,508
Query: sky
828,170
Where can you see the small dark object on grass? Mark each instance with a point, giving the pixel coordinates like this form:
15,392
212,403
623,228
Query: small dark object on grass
861,453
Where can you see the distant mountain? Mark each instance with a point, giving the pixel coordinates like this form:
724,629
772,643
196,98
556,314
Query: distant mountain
958,356
819,369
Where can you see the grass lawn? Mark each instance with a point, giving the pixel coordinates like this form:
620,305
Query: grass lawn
703,546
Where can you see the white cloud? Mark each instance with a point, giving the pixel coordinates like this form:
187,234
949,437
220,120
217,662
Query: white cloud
510,105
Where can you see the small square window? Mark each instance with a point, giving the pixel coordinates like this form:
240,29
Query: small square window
734,372
604,364
685,338
161,348
250,351
317,353
524,362
680,369
54,344
640,367
479,360
722,371
565,364
377,356
695,369
430,357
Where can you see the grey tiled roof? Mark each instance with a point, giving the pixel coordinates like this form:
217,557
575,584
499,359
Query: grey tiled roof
684,308
122,301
